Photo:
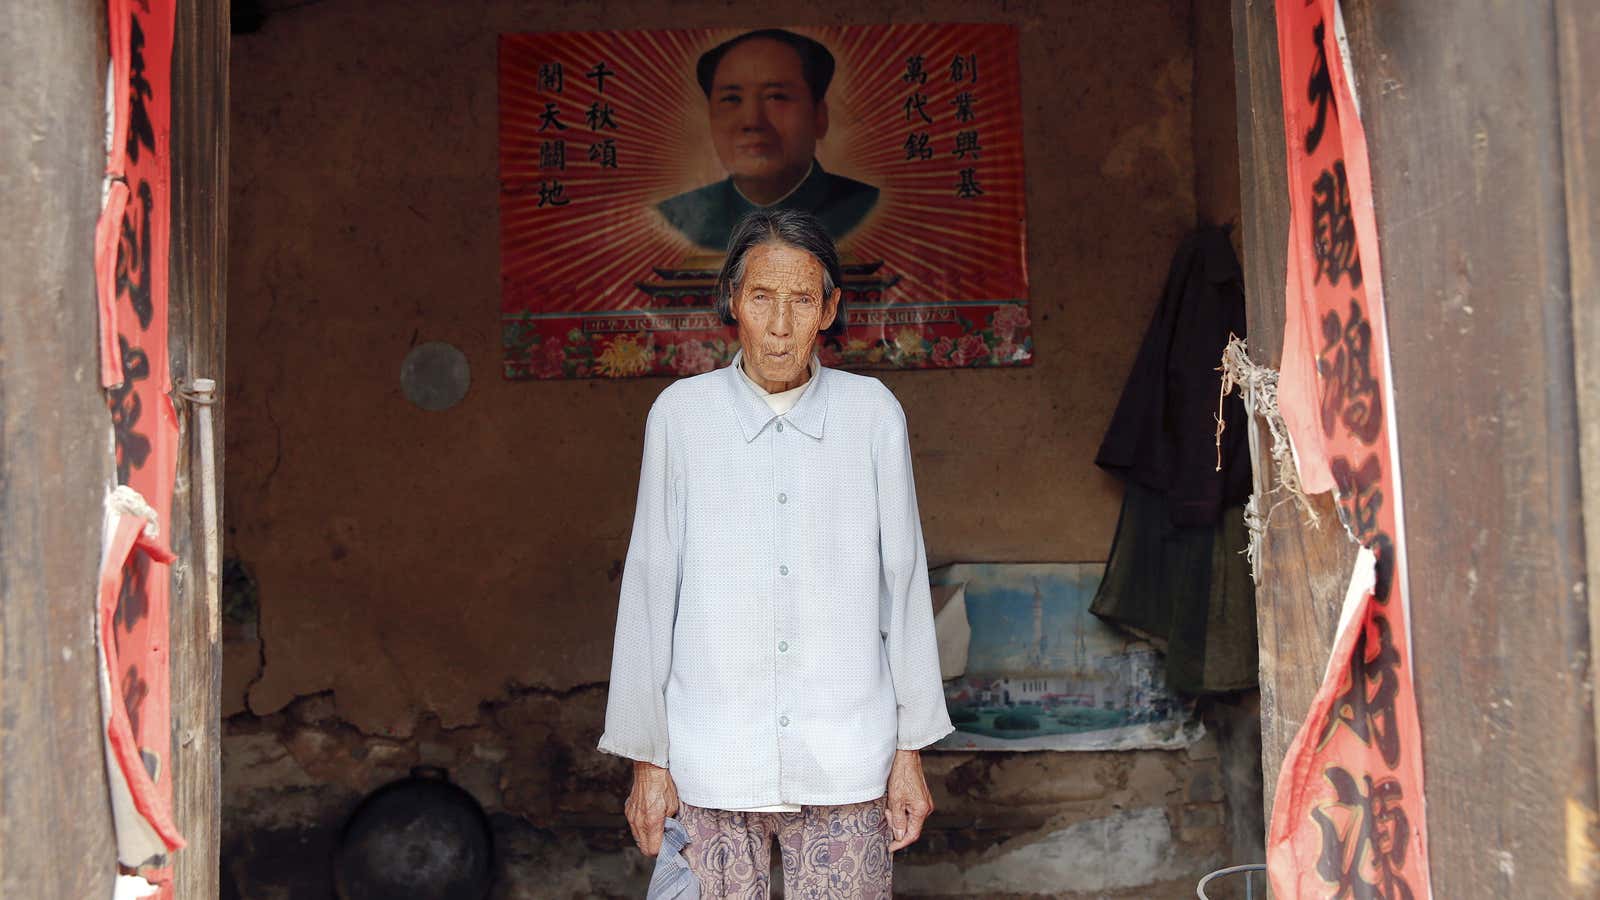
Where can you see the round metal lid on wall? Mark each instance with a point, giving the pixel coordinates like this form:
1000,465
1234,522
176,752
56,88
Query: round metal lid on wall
435,375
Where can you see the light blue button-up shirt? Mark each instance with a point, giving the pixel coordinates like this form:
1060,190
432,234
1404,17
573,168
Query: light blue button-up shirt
775,638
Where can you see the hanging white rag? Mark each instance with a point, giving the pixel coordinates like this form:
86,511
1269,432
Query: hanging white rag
672,879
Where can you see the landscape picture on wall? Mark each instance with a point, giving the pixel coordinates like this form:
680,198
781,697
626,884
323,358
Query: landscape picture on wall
1043,673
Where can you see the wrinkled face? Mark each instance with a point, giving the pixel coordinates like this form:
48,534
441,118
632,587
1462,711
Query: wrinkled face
781,309
764,122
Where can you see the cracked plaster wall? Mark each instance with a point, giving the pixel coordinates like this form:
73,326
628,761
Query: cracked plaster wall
442,586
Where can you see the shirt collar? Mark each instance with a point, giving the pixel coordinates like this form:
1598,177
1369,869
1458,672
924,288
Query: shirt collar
754,414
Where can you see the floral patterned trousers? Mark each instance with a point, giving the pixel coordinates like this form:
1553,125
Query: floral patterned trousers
833,852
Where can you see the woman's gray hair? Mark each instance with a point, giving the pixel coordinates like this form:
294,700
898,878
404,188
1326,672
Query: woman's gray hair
787,227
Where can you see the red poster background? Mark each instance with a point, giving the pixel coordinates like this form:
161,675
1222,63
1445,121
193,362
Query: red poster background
131,247
601,285
1348,819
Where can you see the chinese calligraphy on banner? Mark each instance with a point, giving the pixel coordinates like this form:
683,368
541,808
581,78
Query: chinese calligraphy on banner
627,157
131,246
1349,818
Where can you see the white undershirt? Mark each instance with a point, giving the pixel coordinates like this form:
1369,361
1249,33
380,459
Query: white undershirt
780,403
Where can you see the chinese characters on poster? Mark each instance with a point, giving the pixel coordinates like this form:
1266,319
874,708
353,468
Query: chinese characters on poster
627,157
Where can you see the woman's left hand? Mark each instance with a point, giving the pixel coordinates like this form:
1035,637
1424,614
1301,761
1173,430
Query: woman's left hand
910,803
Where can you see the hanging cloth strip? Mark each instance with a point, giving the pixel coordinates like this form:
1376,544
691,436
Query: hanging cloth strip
131,246
1348,818
1176,573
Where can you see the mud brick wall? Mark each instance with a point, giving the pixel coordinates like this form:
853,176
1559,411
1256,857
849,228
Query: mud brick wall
441,587
1136,824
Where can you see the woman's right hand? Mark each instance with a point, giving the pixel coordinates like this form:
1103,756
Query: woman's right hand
653,798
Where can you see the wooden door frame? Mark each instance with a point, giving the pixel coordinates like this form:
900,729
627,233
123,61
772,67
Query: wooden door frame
1481,132
197,337
55,462
56,835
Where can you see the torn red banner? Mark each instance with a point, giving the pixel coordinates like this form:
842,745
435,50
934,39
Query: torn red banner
1349,818
141,810
131,248
107,236
114,202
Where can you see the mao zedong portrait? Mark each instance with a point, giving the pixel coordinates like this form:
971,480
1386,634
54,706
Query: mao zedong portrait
766,96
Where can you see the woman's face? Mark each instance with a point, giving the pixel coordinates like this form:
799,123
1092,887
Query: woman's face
781,309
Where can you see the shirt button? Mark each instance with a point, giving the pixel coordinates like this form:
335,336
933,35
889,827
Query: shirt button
783,570
784,721
783,646
780,427
783,498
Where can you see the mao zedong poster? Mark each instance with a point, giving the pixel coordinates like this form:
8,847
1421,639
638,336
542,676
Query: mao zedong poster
626,157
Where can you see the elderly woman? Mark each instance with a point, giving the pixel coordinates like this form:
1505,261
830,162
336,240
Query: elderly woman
775,671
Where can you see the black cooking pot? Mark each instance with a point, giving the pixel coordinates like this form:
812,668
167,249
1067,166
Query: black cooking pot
420,838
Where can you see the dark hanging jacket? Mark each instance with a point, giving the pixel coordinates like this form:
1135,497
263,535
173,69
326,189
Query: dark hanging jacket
1162,435
1175,573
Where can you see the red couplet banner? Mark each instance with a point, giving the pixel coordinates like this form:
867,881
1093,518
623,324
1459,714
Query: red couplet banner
627,157
131,247
1349,818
